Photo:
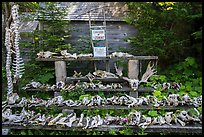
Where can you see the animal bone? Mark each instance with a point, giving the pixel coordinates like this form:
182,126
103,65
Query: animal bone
104,74
197,101
119,70
134,117
62,121
80,124
85,101
161,120
8,46
120,54
12,98
173,99
100,121
68,55
116,86
90,77
34,117
184,116
95,100
166,86
71,103
123,100
149,72
181,122
85,55
71,120
60,84
96,121
87,123
46,54
23,102
55,119
7,115
147,121
134,83
134,101
93,122
186,100
168,117
176,85
18,71
76,74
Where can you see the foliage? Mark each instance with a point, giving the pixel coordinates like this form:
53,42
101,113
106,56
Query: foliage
126,131
184,71
54,29
188,74
39,72
170,30
152,113
3,74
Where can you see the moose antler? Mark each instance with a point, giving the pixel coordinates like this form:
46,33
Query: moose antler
149,72
119,70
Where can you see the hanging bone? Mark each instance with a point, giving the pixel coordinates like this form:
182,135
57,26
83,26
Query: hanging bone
8,62
18,65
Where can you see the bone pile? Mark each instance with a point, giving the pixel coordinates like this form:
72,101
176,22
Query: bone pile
91,85
183,118
172,100
167,85
63,53
58,86
120,55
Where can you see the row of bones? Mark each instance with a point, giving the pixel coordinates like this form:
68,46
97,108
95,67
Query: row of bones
134,83
65,54
60,85
133,118
96,100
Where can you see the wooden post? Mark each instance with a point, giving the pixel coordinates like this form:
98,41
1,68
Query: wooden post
133,69
60,71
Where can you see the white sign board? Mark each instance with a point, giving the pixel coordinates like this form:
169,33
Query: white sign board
99,51
98,34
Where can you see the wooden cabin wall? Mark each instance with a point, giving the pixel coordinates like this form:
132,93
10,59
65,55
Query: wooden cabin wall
117,32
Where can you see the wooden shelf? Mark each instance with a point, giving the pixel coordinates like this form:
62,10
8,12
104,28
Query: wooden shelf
61,58
85,79
141,107
176,128
124,89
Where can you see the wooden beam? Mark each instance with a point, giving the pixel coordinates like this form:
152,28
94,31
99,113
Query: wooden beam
60,71
133,69
60,58
141,107
175,128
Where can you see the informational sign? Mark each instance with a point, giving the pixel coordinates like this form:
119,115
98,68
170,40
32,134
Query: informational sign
98,34
99,51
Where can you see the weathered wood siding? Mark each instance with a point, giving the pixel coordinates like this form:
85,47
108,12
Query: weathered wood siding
116,33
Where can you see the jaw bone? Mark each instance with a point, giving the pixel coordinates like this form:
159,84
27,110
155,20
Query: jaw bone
87,122
71,120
